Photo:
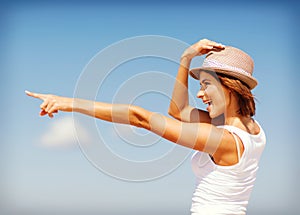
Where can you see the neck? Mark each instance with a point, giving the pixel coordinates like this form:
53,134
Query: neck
231,115
233,120
242,122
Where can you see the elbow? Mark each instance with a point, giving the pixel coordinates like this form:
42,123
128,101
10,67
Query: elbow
174,114
171,111
139,117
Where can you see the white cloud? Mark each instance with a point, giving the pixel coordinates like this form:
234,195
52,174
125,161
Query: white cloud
61,133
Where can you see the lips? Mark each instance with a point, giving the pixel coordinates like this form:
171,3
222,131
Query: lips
209,103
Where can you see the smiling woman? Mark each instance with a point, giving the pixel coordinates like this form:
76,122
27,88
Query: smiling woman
228,142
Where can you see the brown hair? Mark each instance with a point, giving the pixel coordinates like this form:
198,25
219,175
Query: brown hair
242,92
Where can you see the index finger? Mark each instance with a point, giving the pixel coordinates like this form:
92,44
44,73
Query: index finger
35,95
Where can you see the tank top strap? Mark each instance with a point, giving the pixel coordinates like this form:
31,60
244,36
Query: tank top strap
236,143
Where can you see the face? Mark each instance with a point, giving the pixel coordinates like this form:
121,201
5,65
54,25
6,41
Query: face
213,94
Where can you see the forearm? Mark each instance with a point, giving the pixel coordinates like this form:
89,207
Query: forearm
184,134
180,98
118,113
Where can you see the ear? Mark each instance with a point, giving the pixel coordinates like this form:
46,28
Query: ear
231,96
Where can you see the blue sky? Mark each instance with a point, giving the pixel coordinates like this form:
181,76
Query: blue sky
45,48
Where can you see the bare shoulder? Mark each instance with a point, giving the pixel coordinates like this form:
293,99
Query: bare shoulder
255,128
252,127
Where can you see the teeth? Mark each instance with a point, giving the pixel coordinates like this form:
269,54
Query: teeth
208,102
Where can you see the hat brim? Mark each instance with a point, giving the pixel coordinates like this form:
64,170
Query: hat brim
248,80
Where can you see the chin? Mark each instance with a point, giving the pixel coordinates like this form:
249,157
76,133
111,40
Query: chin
213,115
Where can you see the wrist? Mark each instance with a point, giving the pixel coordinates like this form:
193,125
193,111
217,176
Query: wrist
185,61
187,55
75,105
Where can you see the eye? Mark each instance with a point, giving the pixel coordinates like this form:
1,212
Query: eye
206,82
205,85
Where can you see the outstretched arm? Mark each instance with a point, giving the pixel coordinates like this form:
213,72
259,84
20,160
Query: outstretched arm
199,136
118,113
179,105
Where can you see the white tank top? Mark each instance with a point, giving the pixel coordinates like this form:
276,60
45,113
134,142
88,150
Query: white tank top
225,190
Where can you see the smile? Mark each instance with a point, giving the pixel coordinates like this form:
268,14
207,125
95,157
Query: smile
209,103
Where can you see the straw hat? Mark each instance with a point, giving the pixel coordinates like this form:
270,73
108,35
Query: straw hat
229,61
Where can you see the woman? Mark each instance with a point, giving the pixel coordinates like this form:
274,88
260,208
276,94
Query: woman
228,142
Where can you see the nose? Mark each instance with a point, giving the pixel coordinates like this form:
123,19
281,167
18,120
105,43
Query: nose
200,94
